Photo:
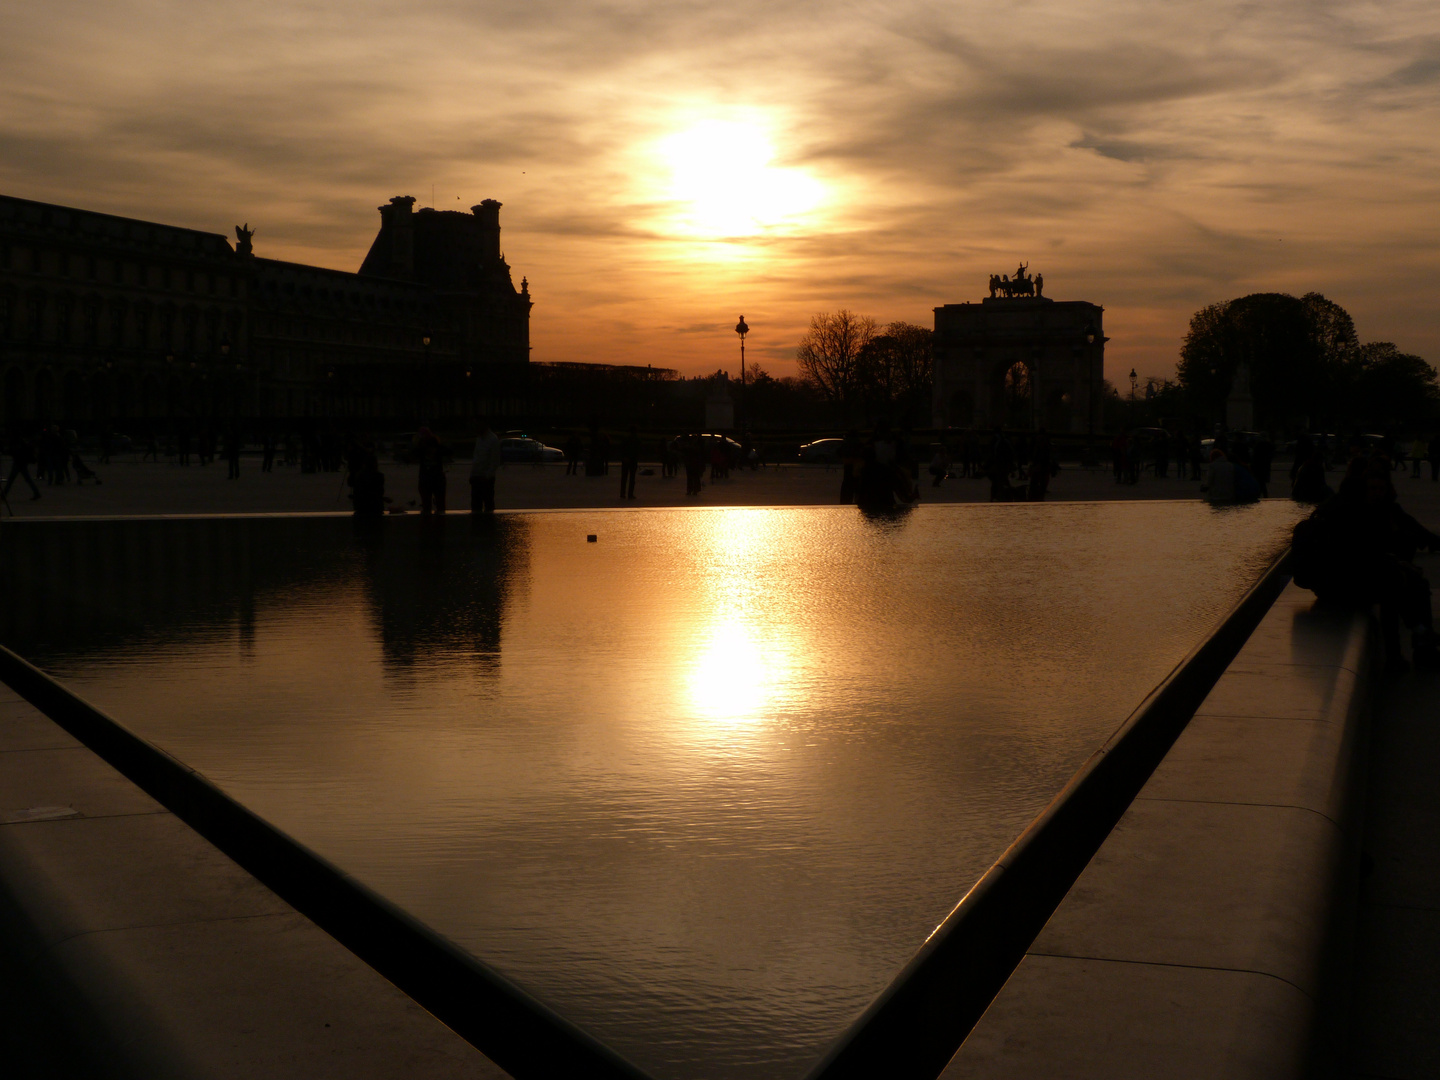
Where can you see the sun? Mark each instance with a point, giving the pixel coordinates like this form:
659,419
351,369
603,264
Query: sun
724,183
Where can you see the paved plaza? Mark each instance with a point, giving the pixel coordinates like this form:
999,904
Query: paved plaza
129,486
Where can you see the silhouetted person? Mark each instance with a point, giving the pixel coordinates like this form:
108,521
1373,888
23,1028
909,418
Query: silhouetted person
483,466
1359,547
1000,462
1228,481
1042,466
1181,446
22,456
939,465
875,485
232,451
267,450
629,464
1162,456
429,455
367,482
852,460
182,444
1120,455
1432,452
1308,475
1262,460
693,451
574,448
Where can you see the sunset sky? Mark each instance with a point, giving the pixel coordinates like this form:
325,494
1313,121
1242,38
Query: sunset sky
666,167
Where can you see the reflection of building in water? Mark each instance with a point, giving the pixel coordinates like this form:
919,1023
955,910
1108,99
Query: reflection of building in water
1020,362
73,589
439,594
106,319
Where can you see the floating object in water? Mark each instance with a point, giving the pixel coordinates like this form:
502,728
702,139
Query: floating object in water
590,539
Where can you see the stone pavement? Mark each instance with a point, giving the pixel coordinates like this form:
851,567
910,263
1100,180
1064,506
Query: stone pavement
1395,1009
142,951
1198,942
133,487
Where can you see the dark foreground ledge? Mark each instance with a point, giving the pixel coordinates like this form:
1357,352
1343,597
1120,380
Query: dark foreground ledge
1204,937
161,958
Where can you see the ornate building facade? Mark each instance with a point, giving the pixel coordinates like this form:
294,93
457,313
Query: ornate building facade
112,321
1019,360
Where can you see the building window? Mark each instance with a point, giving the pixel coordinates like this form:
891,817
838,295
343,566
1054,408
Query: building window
64,311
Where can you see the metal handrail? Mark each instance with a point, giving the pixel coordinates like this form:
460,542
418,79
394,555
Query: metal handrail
915,1026
519,1033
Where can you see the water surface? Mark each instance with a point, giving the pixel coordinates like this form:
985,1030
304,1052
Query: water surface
705,785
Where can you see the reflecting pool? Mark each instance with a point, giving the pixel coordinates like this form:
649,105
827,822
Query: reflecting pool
703,785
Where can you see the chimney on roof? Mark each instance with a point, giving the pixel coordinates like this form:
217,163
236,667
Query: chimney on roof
488,213
398,221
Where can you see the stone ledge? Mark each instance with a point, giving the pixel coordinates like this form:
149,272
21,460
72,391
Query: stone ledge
169,959
1194,944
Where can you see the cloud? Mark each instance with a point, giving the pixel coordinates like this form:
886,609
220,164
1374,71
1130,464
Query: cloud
1148,155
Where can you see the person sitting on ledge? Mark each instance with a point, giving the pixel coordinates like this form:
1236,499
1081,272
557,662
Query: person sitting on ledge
1227,481
1358,548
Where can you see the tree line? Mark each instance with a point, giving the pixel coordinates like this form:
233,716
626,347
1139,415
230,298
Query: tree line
866,370
1308,368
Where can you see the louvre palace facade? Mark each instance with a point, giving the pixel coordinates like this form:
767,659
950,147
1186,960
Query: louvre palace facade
110,321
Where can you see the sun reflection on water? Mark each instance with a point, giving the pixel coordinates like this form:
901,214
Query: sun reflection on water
741,671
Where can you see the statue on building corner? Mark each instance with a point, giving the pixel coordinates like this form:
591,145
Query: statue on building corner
243,235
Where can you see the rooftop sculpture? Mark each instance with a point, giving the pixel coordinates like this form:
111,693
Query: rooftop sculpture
1019,285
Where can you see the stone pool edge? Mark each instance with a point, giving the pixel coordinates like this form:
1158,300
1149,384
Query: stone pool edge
72,767
1204,938
1241,665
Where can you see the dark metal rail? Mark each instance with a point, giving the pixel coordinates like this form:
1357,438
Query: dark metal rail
914,1027
520,1034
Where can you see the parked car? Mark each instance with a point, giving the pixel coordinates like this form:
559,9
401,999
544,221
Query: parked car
528,450
822,451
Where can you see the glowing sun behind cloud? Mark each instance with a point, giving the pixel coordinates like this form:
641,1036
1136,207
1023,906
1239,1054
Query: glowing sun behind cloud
724,183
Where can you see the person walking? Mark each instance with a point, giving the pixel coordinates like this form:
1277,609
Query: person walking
1433,453
1418,451
232,451
999,465
1042,467
267,450
1262,460
852,460
629,464
939,465
22,456
430,456
1120,451
483,467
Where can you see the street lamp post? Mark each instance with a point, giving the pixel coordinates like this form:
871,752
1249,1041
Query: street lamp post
425,340
1092,395
742,330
